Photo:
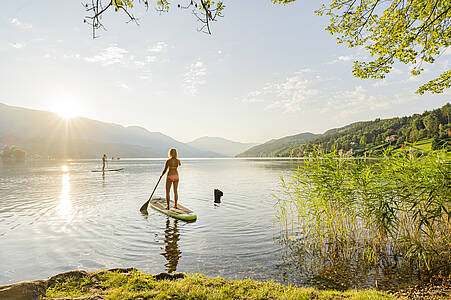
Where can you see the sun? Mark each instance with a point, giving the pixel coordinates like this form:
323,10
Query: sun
66,109
66,114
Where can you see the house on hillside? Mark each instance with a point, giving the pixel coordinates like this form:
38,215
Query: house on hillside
341,152
391,138
350,152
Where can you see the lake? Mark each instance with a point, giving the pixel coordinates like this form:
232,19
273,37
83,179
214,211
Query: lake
57,216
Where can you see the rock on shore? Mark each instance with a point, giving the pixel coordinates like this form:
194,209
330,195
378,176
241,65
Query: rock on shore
32,290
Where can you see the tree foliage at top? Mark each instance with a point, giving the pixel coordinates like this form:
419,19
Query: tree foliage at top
412,32
206,11
409,31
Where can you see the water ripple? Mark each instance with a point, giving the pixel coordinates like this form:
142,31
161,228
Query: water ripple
55,218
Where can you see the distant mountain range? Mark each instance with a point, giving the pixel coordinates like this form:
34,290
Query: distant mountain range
220,145
46,134
279,147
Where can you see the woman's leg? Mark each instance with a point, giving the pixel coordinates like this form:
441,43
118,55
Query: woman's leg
176,194
168,189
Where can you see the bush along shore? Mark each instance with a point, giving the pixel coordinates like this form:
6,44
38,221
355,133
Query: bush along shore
133,284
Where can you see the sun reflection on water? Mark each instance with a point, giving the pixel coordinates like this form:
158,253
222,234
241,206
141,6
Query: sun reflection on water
65,204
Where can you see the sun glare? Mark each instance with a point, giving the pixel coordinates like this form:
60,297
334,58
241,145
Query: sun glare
66,114
67,109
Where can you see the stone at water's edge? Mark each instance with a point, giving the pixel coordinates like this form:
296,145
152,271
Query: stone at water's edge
33,290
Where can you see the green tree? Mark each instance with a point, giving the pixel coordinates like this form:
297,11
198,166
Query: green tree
414,135
418,123
363,140
409,31
431,123
442,131
422,134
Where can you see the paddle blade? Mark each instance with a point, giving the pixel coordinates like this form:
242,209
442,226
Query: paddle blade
143,208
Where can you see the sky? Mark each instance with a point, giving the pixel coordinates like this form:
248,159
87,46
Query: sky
267,71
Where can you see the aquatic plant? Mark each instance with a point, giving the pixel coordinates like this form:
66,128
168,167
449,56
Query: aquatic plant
392,211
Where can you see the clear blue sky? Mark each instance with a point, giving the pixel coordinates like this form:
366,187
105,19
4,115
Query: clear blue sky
267,71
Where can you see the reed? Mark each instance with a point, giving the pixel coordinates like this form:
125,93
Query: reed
388,211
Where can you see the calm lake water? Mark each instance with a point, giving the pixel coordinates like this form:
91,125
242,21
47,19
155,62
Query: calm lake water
57,216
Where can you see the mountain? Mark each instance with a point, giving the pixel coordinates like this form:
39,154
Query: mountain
365,137
220,145
279,147
46,134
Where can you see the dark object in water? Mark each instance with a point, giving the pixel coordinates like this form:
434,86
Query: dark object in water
218,195
168,276
108,170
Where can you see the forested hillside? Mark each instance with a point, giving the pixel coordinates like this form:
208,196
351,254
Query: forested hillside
366,136
430,124
280,147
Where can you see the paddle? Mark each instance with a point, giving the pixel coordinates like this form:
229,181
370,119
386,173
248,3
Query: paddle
143,208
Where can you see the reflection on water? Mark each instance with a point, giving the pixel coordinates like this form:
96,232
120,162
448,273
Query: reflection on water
337,266
65,205
73,218
103,227
171,250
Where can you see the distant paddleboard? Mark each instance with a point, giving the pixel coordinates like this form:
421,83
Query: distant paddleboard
181,212
108,170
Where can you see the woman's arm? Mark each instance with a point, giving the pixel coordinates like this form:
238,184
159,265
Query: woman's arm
165,168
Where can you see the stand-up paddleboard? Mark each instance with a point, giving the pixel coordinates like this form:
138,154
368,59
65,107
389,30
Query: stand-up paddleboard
180,212
108,170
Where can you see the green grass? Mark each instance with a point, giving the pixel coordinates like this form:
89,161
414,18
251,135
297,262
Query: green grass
115,285
423,145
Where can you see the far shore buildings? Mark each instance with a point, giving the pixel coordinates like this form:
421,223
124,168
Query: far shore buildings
391,138
342,152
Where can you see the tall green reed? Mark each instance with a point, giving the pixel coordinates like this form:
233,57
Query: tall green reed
381,211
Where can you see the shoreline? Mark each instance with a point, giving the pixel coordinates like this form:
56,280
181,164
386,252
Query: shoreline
130,283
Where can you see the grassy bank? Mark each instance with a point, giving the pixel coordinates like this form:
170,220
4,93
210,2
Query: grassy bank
137,285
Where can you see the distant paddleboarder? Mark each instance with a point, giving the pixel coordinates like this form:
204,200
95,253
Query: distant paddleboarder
103,162
173,176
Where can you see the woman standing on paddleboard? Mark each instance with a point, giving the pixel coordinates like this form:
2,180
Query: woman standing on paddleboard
173,176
